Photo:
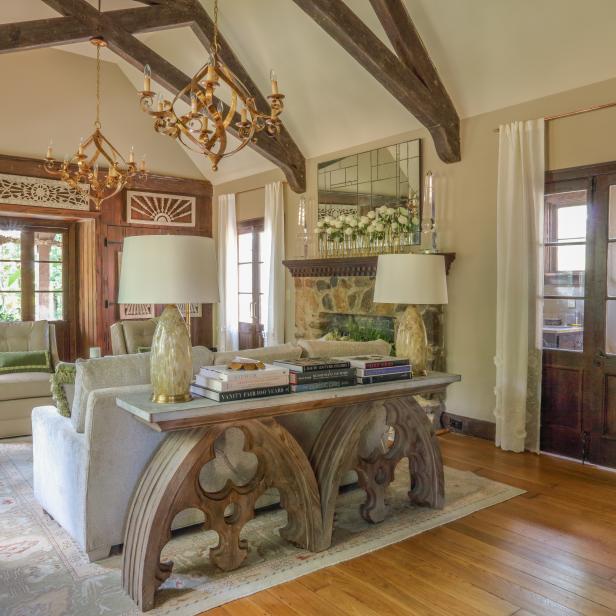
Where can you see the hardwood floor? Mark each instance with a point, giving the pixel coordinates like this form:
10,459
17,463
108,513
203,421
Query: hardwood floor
549,551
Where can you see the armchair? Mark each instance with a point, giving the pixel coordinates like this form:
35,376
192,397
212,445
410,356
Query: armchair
128,336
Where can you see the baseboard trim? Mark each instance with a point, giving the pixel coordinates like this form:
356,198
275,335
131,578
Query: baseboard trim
468,425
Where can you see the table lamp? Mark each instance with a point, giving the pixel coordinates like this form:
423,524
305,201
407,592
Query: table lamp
171,270
411,279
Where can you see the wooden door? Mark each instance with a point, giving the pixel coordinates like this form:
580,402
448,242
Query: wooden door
579,359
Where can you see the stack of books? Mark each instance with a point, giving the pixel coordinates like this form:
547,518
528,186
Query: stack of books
379,368
308,374
226,384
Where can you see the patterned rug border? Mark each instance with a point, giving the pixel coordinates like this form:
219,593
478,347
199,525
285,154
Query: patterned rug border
335,558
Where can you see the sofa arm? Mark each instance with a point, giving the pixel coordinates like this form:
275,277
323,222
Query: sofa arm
120,447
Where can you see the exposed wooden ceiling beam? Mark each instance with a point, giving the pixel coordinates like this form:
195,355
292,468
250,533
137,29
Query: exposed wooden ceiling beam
294,161
410,83
81,21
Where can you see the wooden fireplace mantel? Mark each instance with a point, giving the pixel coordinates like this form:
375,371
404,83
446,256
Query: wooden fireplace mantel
343,266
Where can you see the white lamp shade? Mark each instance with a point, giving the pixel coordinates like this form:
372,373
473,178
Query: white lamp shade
410,279
168,269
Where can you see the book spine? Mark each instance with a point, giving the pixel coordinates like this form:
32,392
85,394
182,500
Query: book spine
298,378
247,394
386,370
219,385
320,385
242,375
384,364
383,378
318,367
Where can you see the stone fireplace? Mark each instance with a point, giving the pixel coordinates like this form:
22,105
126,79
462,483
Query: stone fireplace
333,293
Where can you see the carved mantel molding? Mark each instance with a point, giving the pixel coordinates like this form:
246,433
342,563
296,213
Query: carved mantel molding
343,266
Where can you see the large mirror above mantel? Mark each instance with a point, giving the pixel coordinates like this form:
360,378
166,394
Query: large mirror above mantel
376,195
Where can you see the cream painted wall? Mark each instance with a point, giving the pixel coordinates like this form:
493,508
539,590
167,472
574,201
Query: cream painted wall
466,196
51,93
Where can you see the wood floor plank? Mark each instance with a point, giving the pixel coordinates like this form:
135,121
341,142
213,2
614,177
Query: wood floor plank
550,552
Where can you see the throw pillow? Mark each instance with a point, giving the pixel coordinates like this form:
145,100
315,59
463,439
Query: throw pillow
63,379
25,361
340,348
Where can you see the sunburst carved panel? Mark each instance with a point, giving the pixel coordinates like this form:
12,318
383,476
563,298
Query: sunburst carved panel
42,192
160,209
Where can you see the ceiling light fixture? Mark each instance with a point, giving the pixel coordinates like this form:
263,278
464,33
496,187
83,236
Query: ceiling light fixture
83,167
203,127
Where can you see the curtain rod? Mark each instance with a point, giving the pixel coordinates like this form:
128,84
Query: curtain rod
568,114
241,192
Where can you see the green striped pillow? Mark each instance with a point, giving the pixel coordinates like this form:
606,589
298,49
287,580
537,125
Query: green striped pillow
24,361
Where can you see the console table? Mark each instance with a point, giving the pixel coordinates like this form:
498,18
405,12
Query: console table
308,484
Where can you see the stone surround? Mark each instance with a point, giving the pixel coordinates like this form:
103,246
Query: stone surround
316,297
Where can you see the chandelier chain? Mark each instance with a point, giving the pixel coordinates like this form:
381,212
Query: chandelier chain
97,123
215,26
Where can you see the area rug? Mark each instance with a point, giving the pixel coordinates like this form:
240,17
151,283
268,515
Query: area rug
44,573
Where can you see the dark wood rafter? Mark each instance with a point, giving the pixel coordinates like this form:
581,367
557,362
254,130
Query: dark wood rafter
80,21
410,77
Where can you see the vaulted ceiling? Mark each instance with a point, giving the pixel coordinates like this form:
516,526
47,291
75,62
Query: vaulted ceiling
489,54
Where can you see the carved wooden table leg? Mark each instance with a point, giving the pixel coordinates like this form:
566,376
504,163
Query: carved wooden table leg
171,484
336,450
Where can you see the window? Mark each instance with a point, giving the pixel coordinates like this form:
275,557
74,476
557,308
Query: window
250,277
31,274
565,269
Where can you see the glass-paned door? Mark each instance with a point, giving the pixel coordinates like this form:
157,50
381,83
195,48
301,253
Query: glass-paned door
579,359
250,279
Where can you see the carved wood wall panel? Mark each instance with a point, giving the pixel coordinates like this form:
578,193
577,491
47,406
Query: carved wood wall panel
42,192
160,209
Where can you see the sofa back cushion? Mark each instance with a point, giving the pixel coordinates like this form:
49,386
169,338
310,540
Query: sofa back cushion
114,371
138,334
288,351
343,348
201,356
24,336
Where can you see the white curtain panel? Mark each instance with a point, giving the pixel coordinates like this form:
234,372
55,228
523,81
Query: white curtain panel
273,255
227,274
519,308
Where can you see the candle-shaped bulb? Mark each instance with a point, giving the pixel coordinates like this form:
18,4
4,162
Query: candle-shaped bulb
96,170
143,163
159,101
131,156
49,149
244,114
147,78
80,150
193,102
274,81
219,107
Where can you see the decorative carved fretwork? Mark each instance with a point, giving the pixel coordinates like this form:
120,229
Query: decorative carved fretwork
42,192
196,310
337,449
171,484
160,209
136,311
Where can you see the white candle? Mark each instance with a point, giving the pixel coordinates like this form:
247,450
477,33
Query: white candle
131,156
147,74
274,81
49,150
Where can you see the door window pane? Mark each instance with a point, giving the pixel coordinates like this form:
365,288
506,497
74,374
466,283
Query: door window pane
612,213
47,276
10,245
571,224
48,306
47,246
245,278
244,247
610,327
10,306
569,258
563,324
245,300
10,276
611,269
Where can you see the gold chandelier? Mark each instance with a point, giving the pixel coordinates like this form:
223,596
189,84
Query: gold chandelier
83,167
203,128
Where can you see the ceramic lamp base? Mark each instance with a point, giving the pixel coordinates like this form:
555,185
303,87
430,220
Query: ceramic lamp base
412,340
171,358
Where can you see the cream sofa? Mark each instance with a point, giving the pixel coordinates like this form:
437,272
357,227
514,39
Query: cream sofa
20,392
86,467
128,336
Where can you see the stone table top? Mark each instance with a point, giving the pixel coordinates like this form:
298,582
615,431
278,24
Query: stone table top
202,412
